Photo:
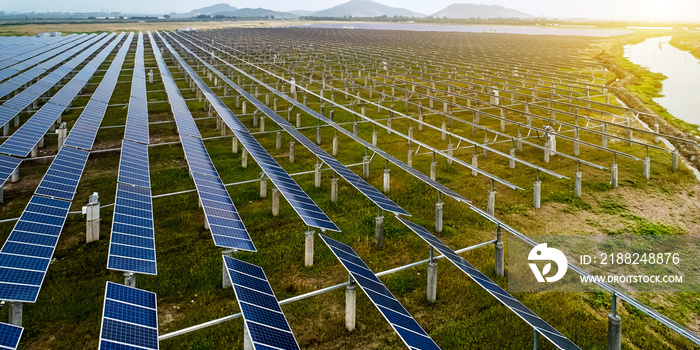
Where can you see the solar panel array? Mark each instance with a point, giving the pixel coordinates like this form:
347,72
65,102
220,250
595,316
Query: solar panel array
31,58
372,193
132,245
23,140
17,49
9,336
305,207
85,129
264,319
26,254
226,225
426,179
403,323
542,327
137,115
129,319
62,178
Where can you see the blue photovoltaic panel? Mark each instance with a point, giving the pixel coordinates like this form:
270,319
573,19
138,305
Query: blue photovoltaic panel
133,165
266,323
197,156
132,244
8,165
225,224
9,336
27,252
129,319
62,178
137,119
542,327
403,323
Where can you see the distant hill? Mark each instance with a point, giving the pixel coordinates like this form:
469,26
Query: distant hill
479,11
210,10
366,8
258,12
302,12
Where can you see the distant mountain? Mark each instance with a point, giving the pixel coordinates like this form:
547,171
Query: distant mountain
210,10
365,8
302,12
479,11
258,12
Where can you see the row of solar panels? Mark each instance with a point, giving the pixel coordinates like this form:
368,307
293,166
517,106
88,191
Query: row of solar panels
132,242
17,49
25,257
401,321
29,59
25,139
29,75
305,207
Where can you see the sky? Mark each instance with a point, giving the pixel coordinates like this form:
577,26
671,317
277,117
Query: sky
648,10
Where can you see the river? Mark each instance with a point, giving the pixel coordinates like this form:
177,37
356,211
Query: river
681,68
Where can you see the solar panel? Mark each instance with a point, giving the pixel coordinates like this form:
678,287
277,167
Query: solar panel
403,323
225,224
129,319
27,252
426,179
542,327
132,244
266,323
137,119
197,156
8,165
133,165
62,178
9,336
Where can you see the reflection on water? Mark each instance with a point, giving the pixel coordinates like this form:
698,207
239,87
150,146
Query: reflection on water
476,29
681,89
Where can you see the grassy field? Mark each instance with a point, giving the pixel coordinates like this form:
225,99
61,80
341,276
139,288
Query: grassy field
67,313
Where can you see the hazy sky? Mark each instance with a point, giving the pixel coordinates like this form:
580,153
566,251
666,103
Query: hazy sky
599,9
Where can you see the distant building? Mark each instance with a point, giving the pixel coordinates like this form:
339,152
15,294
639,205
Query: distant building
47,34
189,29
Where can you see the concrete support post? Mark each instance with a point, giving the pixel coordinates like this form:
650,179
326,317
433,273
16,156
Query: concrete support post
474,164
410,158
16,121
613,176
519,142
379,231
647,168
433,170
335,146
244,159
431,290
511,161
278,140
256,118
536,196
374,138
92,211
35,152
298,120
275,202
317,175
577,184
491,203
656,130
6,130
604,136
438,216
410,132
15,176
130,279
61,131
420,121
41,142
247,341
614,327
15,317
244,108
576,144
263,185
365,167
350,305
443,129
318,135
334,190
234,145
674,159
225,278
309,247
499,261
450,153
291,151
262,123
387,180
